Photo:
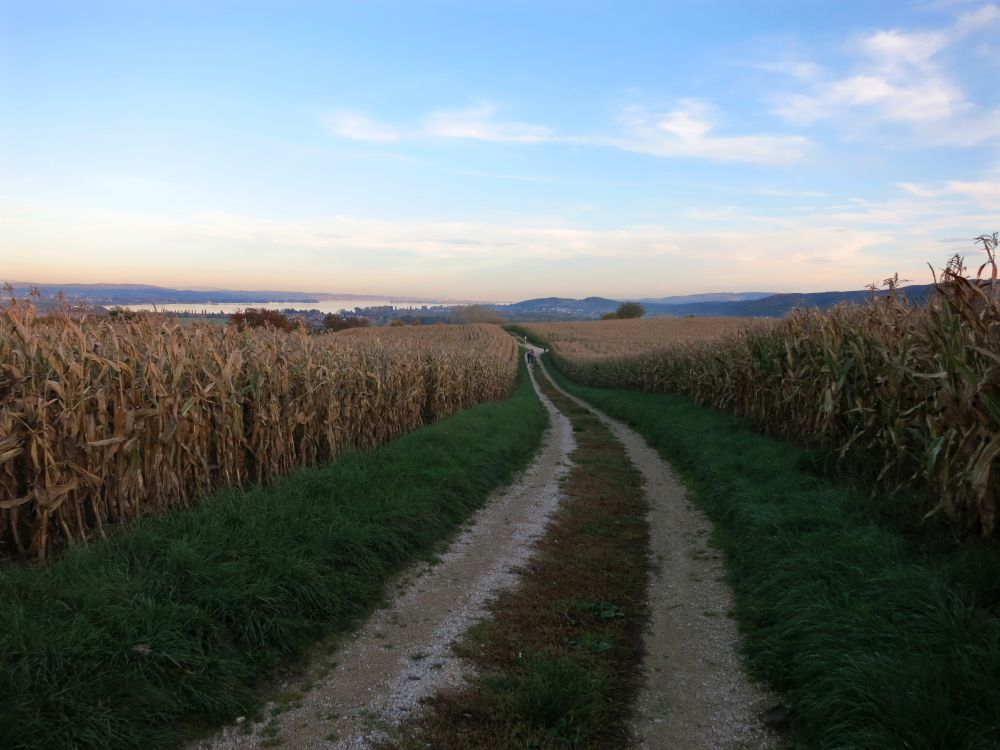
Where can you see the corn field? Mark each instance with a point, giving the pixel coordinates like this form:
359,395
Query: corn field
599,341
102,421
910,394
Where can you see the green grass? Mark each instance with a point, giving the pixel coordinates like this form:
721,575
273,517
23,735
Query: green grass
870,641
559,658
173,623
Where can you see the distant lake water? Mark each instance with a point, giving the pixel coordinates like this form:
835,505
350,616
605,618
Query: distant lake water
326,306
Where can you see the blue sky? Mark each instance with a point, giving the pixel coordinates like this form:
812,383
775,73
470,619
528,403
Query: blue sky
490,150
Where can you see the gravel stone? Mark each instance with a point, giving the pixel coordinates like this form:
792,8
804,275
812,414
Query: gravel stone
696,694
403,653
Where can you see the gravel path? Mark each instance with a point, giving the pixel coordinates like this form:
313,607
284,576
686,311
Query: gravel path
403,653
696,695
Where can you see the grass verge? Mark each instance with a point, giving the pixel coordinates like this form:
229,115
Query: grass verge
172,623
871,642
558,659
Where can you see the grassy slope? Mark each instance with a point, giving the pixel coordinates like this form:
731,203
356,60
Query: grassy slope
872,644
175,620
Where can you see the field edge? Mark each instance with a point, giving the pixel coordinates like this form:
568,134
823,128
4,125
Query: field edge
868,642
174,622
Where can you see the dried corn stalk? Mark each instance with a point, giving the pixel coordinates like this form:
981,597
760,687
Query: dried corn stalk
913,392
103,420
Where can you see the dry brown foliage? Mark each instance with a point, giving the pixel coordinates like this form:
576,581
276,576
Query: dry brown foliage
592,340
104,420
911,394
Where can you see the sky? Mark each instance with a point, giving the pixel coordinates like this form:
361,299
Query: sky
496,150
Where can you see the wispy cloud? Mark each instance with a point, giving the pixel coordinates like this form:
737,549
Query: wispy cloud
898,77
358,127
480,123
934,99
803,70
505,175
688,130
984,192
852,242
477,123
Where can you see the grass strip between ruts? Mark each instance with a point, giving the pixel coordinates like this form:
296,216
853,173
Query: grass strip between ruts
870,643
173,622
558,659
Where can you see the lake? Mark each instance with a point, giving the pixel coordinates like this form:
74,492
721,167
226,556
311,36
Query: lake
326,306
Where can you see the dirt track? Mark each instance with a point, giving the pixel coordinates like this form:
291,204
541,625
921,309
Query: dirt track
403,653
696,695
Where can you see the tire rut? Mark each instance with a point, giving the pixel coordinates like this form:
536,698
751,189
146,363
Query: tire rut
403,652
696,694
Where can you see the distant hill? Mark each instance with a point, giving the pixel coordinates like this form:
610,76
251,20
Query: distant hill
739,304
778,305
768,306
707,297
138,294
557,308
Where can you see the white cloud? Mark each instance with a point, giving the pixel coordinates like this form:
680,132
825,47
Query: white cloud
803,70
898,77
985,193
895,50
851,243
688,131
968,23
478,123
918,190
358,127
932,99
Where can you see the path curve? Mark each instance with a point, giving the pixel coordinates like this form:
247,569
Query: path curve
695,692
403,653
